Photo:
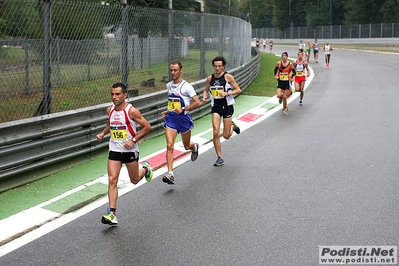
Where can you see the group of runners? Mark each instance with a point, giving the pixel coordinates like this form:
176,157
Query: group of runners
221,87
306,47
123,120
263,42
285,70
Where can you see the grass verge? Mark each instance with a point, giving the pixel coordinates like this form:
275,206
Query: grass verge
264,84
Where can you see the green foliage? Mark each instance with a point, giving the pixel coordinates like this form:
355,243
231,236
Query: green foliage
187,5
362,12
226,7
260,12
85,19
390,9
280,14
312,13
318,13
215,7
18,20
338,11
289,12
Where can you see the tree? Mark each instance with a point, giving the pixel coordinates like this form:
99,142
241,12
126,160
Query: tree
364,12
289,13
17,20
72,22
186,5
260,12
318,13
338,12
217,7
390,9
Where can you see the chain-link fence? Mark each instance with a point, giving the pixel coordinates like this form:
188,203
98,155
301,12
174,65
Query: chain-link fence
382,30
61,55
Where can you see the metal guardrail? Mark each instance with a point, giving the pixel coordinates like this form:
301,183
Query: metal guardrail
30,144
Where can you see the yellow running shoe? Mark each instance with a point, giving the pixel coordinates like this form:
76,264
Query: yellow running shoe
110,219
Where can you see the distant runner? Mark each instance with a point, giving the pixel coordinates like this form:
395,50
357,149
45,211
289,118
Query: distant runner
302,71
315,47
327,53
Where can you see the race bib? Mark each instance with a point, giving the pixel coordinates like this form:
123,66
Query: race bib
216,92
284,76
173,103
299,73
118,133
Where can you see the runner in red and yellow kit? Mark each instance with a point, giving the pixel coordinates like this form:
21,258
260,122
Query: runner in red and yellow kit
283,73
300,77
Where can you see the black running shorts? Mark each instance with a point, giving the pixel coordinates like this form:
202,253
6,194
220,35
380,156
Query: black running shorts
284,84
224,111
123,157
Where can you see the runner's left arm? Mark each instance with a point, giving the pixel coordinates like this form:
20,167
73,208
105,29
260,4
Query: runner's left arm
236,89
293,69
195,104
135,114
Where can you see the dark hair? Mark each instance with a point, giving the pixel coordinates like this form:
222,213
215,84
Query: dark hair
177,63
284,53
120,85
219,58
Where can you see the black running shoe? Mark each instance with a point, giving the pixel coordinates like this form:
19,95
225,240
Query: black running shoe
236,128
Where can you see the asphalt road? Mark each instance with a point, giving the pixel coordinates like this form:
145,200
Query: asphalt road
325,174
